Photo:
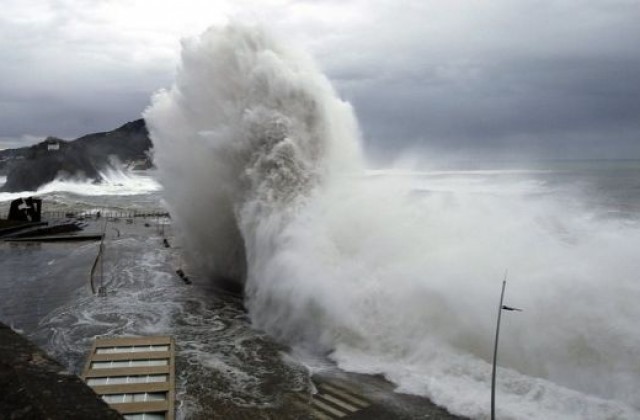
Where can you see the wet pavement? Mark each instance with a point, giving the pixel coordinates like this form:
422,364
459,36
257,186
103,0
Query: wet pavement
225,368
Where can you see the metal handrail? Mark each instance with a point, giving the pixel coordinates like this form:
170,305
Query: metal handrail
104,213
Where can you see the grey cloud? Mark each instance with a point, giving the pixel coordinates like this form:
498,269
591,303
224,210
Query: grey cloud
551,77
551,105
65,74
558,80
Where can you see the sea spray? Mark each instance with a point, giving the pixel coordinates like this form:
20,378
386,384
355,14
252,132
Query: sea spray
248,129
261,168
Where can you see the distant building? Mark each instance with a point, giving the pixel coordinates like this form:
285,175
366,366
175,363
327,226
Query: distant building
139,165
53,145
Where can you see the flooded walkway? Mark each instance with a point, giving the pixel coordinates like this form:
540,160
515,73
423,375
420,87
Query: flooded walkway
224,367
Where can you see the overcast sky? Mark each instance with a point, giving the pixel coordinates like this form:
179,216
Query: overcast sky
547,78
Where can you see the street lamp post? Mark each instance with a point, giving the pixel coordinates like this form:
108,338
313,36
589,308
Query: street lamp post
501,307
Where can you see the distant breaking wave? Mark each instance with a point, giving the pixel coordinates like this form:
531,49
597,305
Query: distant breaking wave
113,182
245,136
261,167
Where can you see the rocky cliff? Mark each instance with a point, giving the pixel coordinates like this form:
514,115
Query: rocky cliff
31,167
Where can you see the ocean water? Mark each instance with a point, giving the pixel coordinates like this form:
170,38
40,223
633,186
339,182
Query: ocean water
566,232
393,271
117,190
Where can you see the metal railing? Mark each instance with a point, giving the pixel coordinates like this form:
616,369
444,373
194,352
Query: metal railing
98,213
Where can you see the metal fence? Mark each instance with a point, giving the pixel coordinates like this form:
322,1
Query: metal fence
98,213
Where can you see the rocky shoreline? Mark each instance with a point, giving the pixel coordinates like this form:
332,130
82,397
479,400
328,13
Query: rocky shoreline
29,168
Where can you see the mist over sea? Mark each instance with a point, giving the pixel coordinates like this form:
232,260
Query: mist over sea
396,270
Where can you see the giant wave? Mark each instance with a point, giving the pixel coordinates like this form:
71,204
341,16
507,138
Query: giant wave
261,167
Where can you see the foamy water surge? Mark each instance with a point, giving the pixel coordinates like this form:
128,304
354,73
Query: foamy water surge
260,164
113,181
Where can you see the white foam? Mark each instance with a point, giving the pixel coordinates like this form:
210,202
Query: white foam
114,182
260,164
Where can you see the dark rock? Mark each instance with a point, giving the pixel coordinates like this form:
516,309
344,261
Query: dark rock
29,168
33,386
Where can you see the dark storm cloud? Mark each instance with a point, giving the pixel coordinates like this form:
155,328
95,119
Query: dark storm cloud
527,103
551,79
66,73
548,78
70,116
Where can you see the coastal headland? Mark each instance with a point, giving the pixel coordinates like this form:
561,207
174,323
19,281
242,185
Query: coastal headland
28,168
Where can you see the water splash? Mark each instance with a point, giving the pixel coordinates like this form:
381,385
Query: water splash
246,132
261,167
114,181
